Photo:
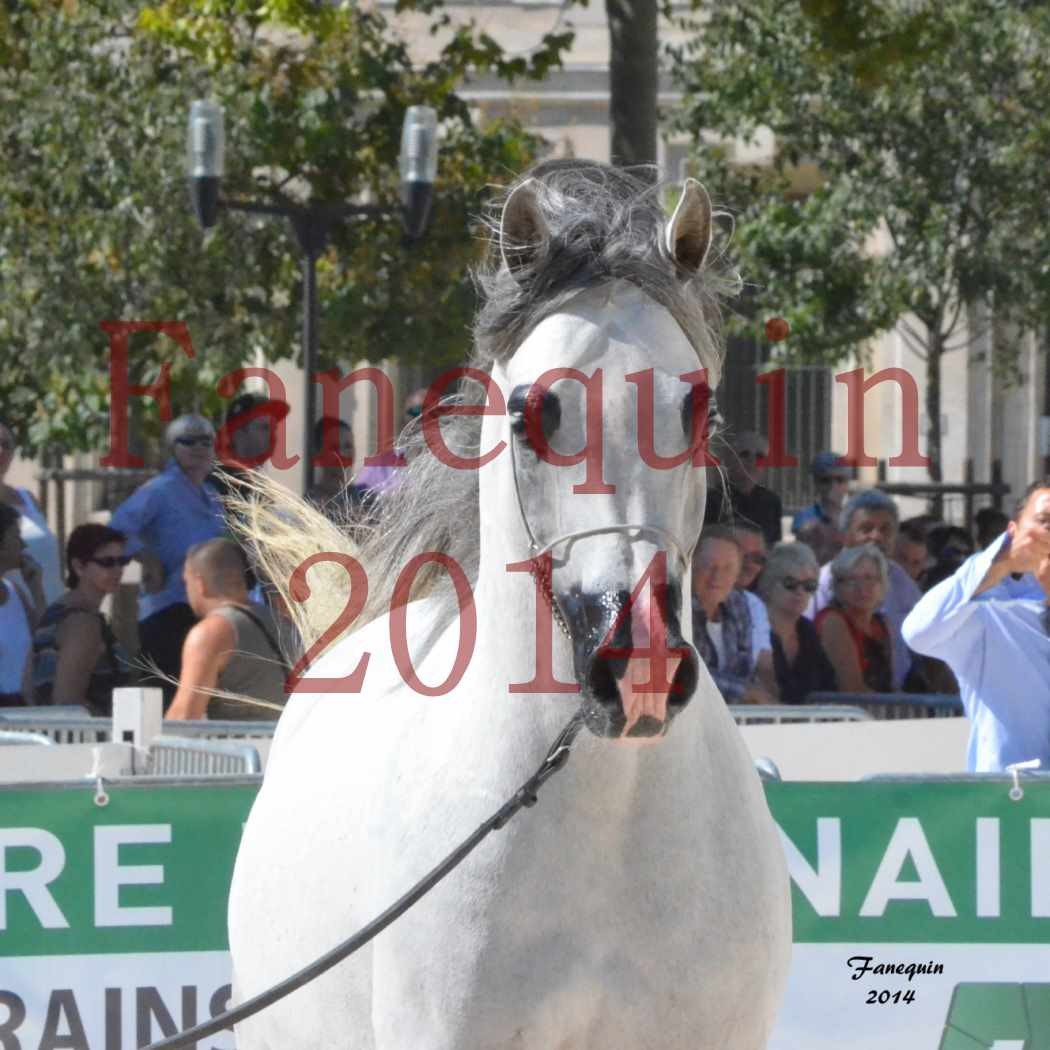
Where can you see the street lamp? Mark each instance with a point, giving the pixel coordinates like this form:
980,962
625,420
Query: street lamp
313,221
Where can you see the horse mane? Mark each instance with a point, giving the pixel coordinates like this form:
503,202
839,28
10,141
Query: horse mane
605,224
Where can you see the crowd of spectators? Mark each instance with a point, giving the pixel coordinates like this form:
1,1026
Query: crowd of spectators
208,629
824,611
773,621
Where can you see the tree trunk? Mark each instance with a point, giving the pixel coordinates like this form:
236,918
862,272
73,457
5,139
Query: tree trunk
934,354
633,80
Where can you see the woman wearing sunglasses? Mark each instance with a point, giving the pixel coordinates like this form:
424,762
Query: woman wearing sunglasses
787,585
77,657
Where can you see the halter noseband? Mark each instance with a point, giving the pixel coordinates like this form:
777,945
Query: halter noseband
539,549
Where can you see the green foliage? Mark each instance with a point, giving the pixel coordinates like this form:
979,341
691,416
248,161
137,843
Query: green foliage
96,224
929,128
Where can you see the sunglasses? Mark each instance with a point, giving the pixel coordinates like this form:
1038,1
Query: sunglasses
113,561
200,442
789,583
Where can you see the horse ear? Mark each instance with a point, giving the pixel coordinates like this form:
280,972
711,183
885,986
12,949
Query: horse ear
522,228
689,229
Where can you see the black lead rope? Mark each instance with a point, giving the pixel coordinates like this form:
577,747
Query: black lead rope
557,756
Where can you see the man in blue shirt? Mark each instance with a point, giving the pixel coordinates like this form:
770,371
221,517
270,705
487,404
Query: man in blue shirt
996,642
163,519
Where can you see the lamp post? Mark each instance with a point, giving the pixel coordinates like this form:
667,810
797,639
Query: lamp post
311,222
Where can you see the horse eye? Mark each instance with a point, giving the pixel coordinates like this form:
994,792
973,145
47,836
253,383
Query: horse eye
550,410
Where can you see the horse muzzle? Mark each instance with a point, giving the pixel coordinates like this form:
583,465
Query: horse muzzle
635,669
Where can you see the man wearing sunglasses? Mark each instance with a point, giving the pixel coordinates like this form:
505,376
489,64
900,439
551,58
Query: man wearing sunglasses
997,645
162,520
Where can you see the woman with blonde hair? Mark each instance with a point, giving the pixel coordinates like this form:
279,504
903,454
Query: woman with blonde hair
856,638
787,586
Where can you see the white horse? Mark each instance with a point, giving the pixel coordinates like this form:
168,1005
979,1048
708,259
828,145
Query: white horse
644,902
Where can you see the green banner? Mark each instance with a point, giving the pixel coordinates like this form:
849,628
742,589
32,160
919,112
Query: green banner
921,911
917,862
149,872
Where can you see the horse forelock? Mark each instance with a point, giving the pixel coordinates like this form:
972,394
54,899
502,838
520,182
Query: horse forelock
605,224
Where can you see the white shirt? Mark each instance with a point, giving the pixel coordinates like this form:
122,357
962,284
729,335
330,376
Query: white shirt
1000,653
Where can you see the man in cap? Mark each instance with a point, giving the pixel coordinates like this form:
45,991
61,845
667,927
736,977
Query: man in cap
818,526
248,435
748,500
162,519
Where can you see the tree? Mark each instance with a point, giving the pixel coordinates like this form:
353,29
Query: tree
96,221
928,126
633,80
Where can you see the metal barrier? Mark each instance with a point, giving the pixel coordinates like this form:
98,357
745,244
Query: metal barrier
185,756
18,737
63,725
895,705
215,729
76,725
776,714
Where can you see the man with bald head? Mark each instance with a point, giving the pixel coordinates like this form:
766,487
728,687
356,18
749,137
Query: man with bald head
996,642
234,648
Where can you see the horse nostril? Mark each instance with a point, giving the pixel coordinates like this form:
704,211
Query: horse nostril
647,725
601,679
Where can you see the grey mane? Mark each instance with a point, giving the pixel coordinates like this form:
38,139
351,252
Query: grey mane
606,224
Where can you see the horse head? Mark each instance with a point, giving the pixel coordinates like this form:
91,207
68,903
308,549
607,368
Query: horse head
606,391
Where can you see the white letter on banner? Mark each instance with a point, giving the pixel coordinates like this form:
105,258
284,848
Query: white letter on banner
32,884
822,887
110,874
908,839
988,867
1040,867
